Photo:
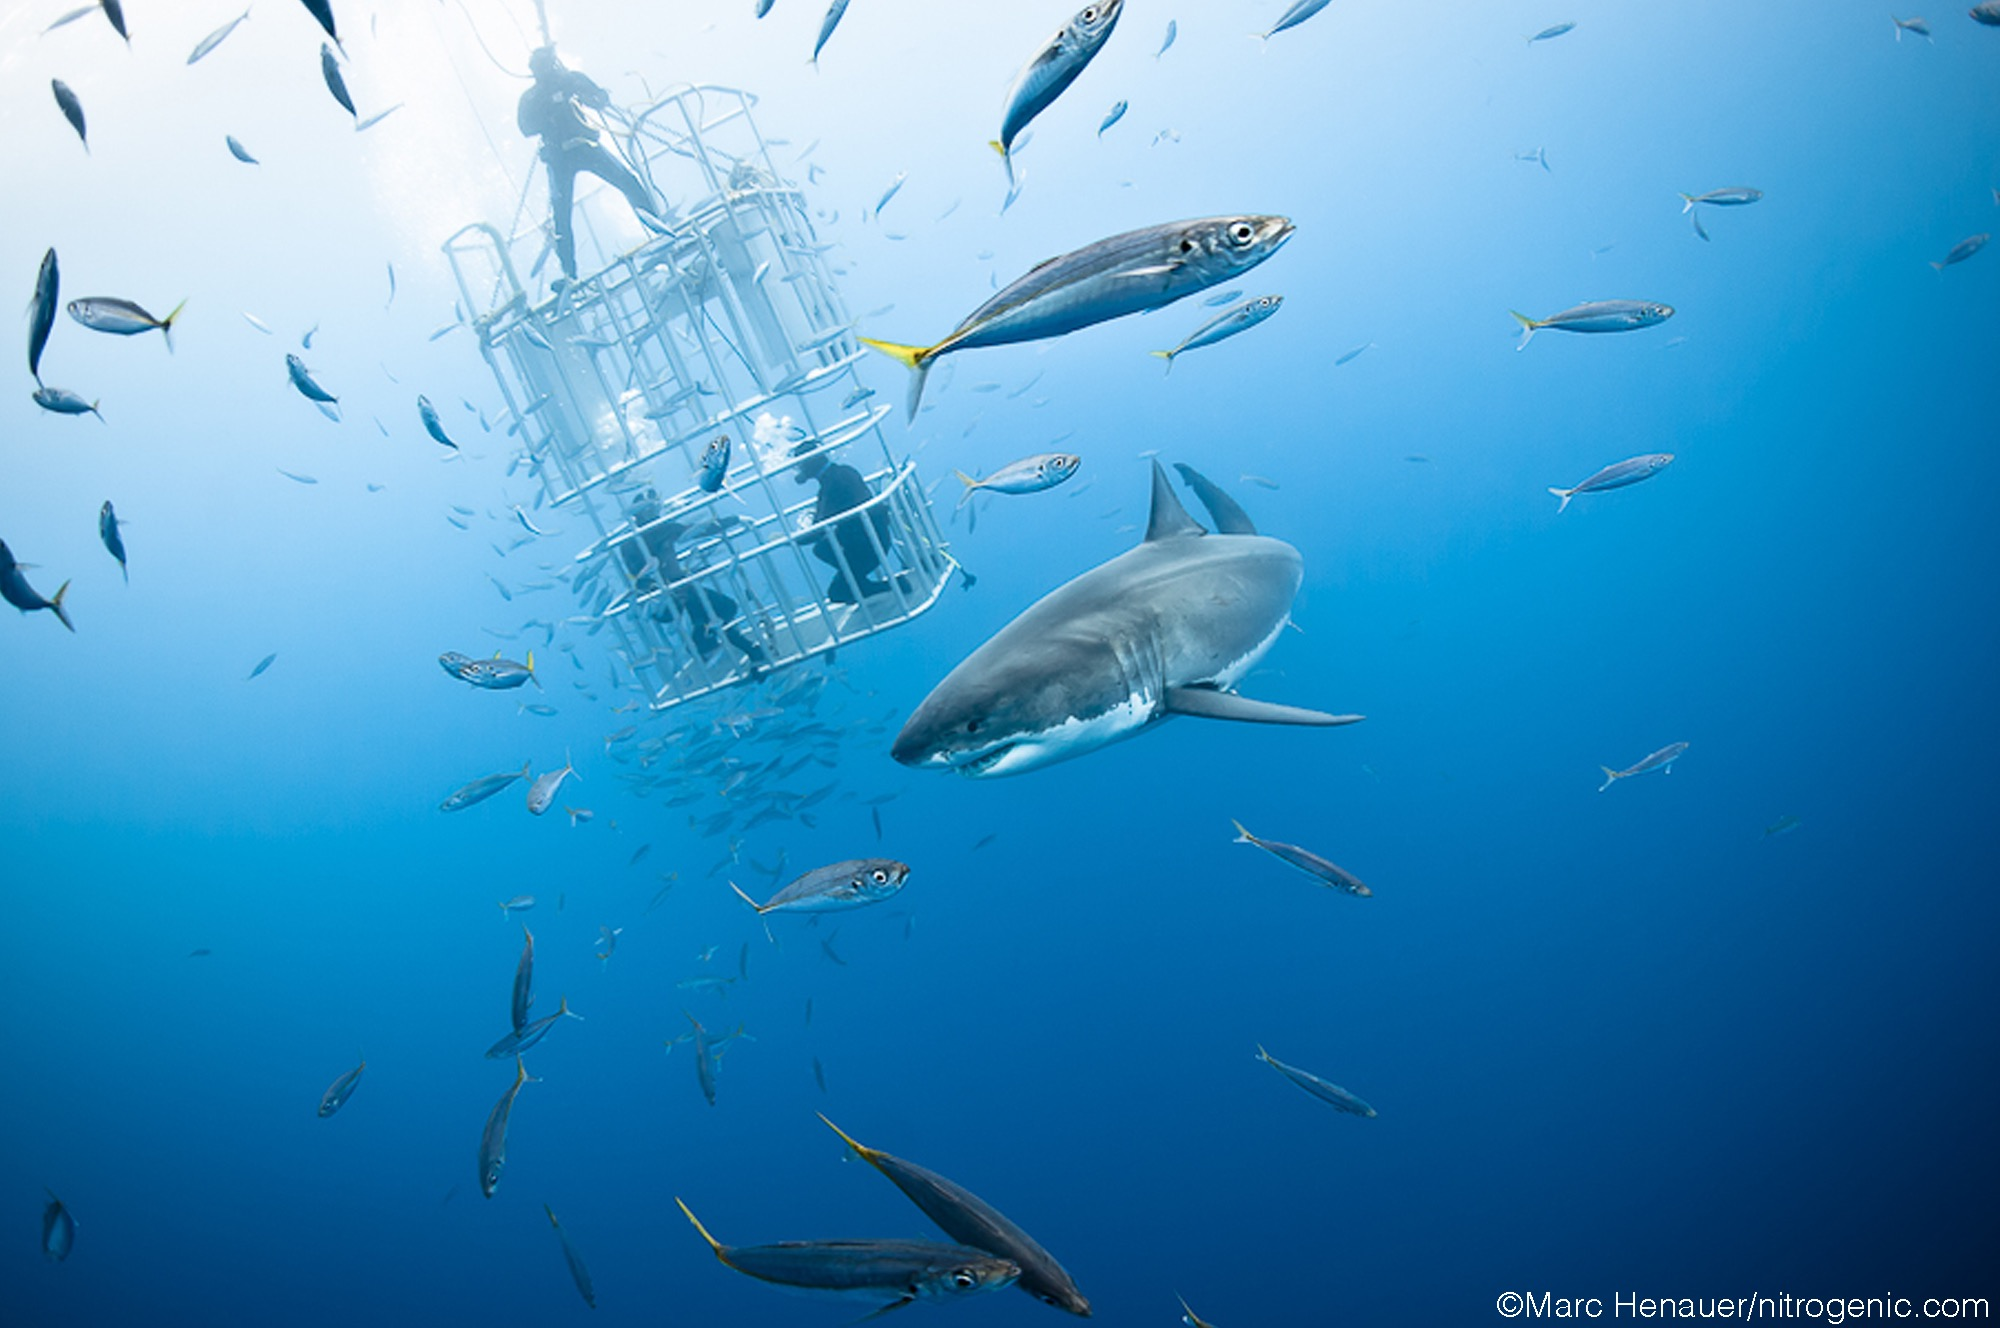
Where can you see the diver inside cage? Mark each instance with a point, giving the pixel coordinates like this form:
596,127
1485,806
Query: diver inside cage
570,145
708,611
842,488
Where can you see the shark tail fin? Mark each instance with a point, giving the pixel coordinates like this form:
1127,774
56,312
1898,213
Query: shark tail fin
57,605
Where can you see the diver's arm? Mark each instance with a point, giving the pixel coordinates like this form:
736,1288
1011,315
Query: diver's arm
585,90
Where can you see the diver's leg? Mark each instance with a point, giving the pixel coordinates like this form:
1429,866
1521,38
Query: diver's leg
562,196
597,159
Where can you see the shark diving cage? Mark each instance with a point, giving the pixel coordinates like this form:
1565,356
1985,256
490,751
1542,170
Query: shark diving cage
717,320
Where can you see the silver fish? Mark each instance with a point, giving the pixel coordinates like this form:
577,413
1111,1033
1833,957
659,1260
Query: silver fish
107,532
432,424
1540,157
1596,316
1916,25
1225,325
493,1139
42,311
215,39
1294,16
262,665
543,791
518,904
834,13
479,790
1131,273
58,1230
72,109
1662,761
1332,1094
329,69
322,10
1963,250
1740,195
1307,861
238,151
302,379
1617,476
14,589
1353,355
1550,33
523,994
340,1090
123,318
843,885
577,1272
892,1273
72,16
970,1220
1173,31
1113,116
1054,68
527,1035
62,401
1986,12
1028,475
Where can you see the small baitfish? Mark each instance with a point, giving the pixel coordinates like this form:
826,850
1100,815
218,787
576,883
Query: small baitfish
14,588
1294,16
542,792
1028,475
973,1222
479,790
1963,250
834,13
62,401
1046,77
1616,476
72,109
577,1272
1596,316
238,151
890,1273
1225,325
493,675
216,38
1986,12
1332,1094
58,1230
714,464
1739,195
108,532
844,885
1118,109
329,69
1307,861
1131,273
42,311
302,379
493,1139
527,1035
522,995
518,904
1662,761
1552,32
340,1090
1916,25
122,318
433,425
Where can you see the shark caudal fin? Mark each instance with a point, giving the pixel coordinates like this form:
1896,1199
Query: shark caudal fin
1529,327
1565,495
914,358
1610,777
1209,703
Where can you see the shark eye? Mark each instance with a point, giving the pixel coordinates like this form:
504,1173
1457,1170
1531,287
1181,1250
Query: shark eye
972,726
1242,232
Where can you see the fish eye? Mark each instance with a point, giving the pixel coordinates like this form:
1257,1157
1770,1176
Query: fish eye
1187,246
1242,232
963,1280
1089,15
880,876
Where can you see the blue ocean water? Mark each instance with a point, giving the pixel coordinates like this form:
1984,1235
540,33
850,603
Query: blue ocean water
1621,1043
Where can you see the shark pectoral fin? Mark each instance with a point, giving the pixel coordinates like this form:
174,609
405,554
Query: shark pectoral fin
1208,703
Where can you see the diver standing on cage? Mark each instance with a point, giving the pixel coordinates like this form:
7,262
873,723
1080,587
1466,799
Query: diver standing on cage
705,607
548,111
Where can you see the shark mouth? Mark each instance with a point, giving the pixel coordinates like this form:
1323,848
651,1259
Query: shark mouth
985,761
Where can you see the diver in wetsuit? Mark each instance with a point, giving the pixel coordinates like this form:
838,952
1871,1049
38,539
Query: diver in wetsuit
548,111
842,489
704,607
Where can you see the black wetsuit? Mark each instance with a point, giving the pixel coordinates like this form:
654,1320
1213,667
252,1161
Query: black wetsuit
842,489
548,111
703,606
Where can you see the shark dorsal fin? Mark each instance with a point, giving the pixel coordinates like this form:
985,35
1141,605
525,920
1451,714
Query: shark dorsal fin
1169,519
1229,518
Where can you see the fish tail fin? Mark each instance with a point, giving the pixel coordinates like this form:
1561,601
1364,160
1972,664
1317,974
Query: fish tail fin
859,1150
1687,203
759,908
552,1217
1565,495
907,356
1610,777
1262,1054
972,486
1006,158
562,1007
57,605
1166,355
1529,327
713,1243
1937,267
167,325
1242,836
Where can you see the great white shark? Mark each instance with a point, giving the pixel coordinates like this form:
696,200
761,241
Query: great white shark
1167,628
